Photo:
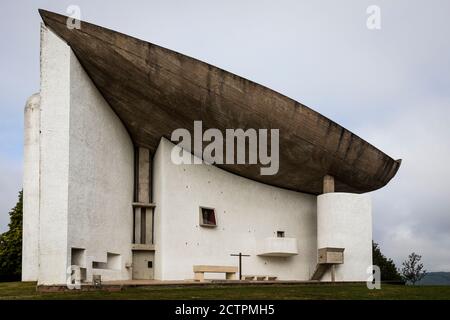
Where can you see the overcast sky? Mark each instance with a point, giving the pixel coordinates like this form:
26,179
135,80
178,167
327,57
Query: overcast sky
390,86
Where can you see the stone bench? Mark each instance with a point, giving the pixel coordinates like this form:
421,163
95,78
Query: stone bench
199,271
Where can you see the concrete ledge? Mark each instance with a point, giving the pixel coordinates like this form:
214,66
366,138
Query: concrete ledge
142,247
143,205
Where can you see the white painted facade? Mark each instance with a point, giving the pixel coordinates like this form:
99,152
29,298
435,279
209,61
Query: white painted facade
344,220
30,227
247,214
79,192
84,184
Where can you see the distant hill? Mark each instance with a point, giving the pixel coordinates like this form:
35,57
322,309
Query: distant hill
435,278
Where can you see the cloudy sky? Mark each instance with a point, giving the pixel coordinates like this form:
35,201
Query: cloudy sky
390,86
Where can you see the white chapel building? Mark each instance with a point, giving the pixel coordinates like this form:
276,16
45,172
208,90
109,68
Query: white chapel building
103,194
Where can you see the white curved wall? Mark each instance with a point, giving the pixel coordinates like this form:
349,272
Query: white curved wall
101,178
344,220
86,172
248,212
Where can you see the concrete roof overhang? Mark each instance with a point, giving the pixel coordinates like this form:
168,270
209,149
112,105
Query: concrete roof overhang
154,90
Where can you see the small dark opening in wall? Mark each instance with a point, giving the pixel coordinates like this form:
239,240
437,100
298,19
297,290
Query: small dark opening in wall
280,234
208,217
150,264
99,265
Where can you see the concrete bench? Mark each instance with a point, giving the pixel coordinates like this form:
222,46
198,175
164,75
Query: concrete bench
199,271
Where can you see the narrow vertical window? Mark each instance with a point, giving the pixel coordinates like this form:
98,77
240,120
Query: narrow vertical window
143,225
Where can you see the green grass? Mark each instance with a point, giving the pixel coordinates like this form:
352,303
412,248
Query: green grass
20,290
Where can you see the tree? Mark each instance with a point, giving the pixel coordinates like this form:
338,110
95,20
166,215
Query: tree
388,269
412,270
11,244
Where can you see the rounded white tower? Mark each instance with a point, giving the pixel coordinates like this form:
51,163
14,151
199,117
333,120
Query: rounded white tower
31,153
344,220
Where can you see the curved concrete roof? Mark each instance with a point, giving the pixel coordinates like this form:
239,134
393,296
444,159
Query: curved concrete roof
154,90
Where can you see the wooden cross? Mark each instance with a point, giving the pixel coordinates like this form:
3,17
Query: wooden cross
240,255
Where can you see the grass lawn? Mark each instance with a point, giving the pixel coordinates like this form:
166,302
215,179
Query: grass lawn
20,290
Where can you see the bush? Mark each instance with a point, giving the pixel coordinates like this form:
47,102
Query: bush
11,245
389,272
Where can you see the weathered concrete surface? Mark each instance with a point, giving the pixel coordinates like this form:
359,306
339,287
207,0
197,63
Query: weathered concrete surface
328,184
154,90
144,172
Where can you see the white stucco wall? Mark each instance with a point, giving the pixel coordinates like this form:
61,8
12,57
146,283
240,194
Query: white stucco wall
54,166
101,171
344,220
30,228
86,170
247,212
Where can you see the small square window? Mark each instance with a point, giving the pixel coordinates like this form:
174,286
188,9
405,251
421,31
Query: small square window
280,234
207,217
150,264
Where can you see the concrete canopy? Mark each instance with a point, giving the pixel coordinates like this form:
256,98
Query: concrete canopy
154,91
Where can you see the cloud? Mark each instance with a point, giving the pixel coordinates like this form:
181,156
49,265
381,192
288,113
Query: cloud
413,212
